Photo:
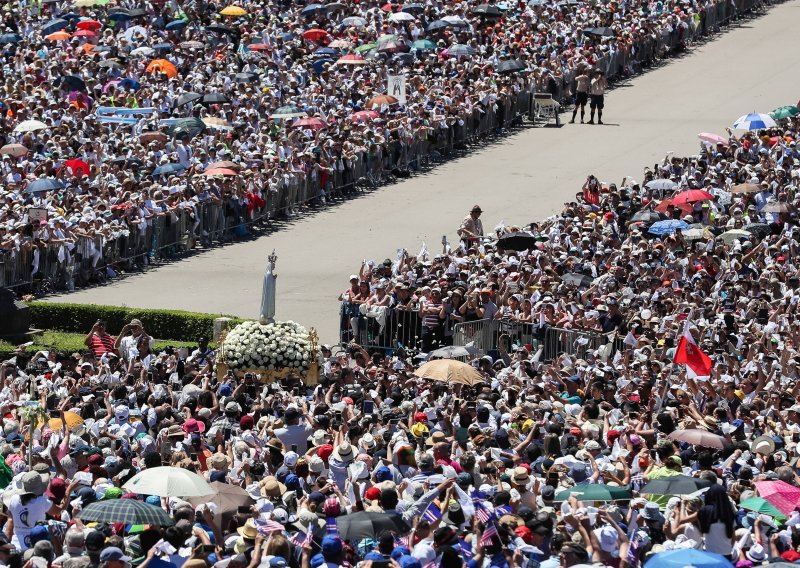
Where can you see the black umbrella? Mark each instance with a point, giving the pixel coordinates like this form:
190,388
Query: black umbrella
437,25
127,162
487,11
510,66
646,216
191,126
674,485
411,8
73,83
516,241
600,32
187,98
137,12
245,77
404,58
578,280
215,99
119,15
220,29
760,230
364,524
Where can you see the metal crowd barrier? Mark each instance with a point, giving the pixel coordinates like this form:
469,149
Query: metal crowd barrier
402,328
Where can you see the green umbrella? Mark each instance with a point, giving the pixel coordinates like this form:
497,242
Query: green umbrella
365,47
761,505
596,492
388,37
424,45
785,112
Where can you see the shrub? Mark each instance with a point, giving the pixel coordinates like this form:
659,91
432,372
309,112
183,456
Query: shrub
164,324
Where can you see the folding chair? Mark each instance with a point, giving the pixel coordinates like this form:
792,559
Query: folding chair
545,105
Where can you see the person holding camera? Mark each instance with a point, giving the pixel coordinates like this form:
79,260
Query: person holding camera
131,339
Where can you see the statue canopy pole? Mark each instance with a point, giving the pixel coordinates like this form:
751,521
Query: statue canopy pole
267,314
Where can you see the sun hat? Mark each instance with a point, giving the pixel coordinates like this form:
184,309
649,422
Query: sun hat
344,452
271,487
249,530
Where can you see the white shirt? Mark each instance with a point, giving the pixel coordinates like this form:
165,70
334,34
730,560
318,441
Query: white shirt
26,517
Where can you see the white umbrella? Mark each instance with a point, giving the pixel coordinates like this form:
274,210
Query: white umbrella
135,30
30,126
401,17
729,236
144,51
169,482
267,313
754,121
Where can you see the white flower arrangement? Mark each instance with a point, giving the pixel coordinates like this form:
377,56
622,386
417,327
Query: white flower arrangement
270,347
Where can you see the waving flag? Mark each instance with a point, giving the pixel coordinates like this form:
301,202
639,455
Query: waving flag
488,534
268,527
698,364
330,526
432,513
466,549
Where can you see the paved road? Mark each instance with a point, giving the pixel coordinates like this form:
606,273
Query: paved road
524,178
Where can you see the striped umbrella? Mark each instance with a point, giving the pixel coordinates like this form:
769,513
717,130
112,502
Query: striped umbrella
125,511
754,121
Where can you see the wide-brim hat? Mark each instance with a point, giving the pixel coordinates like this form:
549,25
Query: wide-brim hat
249,530
344,452
764,445
271,487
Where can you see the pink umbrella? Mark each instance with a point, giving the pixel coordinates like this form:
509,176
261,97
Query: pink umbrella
712,138
110,84
690,196
785,497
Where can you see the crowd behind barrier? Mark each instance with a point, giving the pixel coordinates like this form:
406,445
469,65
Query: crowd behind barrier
39,266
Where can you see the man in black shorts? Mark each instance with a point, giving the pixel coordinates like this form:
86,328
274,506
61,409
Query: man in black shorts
597,89
581,95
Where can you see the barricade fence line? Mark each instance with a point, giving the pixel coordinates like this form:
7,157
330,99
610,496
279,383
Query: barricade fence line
41,267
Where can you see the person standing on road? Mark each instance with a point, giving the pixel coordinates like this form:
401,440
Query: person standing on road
581,95
471,229
597,89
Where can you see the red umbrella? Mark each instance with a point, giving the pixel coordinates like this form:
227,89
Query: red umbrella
84,33
391,7
364,115
219,172
312,123
315,34
351,60
77,167
691,196
89,25
259,47
663,207
785,497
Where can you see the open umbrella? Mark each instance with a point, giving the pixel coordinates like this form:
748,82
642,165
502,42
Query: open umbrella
579,280
43,184
366,47
401,17
413,8
164,46
776,207
228,498
379,101
691,196
399,46
754,121
783,496
761,505
681,558
449,371
93,25
10,38
73,421
698,437
325,51
127,512
697,233
661,184
313,123
315,34
177,24
152,136
745,188
596,492
759,230
646,216
674,485
510,66
220,29
354,21
214,99
351,60
219,172
312,9
215,122
29,126
288,112
712,138
169,482
667,227
143,51
58,36
84,33
54,25
363,115
233,11
785,112
15,150
365,524
437,25
162,66
488,11
517,241
167,169
187,98
600,32
72,83
119,15
453,351
460,50
340,44
729,236
110,64
424,45
224,164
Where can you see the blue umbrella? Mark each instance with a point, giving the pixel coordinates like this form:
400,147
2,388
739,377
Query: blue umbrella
688,557
120,16
54,25
667,227
44,184
177,24
165,46
754,121
437,25
73,83
323,51
167,169
311,8
10,38
129,84
71,16
319,64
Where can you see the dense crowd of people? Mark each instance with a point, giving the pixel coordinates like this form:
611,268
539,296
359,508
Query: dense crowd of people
156,125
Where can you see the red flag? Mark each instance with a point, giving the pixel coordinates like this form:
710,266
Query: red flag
689,353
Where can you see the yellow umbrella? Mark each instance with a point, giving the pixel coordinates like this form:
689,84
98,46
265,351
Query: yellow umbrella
233,11
73,421
450,371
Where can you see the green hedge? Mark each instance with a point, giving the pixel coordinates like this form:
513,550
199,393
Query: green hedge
164,324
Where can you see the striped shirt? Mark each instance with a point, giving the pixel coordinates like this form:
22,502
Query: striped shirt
102,344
